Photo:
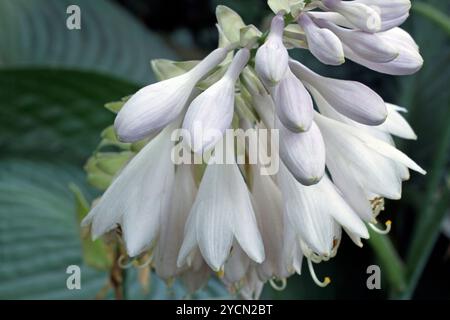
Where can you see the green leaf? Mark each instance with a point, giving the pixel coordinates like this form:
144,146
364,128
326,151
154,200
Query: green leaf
230,23
102,167
39,235
389,260
279,5
56,114
115,106
34,33
438,17
249,35
166,69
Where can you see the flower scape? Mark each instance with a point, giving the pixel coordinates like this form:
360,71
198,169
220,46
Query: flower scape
338,160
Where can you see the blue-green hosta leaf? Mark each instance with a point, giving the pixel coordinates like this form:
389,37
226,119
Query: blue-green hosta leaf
55,113
39,236
34,33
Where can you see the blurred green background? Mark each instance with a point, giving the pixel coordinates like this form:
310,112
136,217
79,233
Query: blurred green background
54,83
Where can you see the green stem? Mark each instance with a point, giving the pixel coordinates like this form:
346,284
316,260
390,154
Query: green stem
433,211
390,261
436,173
433,14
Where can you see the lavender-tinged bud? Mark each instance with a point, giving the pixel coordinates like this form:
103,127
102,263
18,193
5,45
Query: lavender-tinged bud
272,57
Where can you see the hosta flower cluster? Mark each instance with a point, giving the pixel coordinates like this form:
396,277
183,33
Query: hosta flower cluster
338,158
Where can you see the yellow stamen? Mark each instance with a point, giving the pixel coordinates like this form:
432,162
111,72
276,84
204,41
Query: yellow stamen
221,272
321,284
383,232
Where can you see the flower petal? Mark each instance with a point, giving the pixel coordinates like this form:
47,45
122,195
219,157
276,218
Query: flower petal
222,211
211,113
155,106
272,57
360,15
322,43
303,154
269,214
409,60
393,12
134,200
366,45
173,223
352,99
294,105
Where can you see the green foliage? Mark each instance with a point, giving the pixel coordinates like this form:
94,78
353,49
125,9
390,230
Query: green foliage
34,33
39,236
428,98
56,114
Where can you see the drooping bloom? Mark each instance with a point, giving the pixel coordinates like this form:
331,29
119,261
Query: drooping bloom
211,113
222,213
157,105
134,201
338,163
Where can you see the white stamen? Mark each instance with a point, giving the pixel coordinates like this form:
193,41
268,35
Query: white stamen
278,286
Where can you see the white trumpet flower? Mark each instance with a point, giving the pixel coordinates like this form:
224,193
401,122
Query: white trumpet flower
172,224
211,113
268,206
292,255
372,169
272,57
138,197
352,188
155,106
252,286
396,124
221,213
313,218
236,265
